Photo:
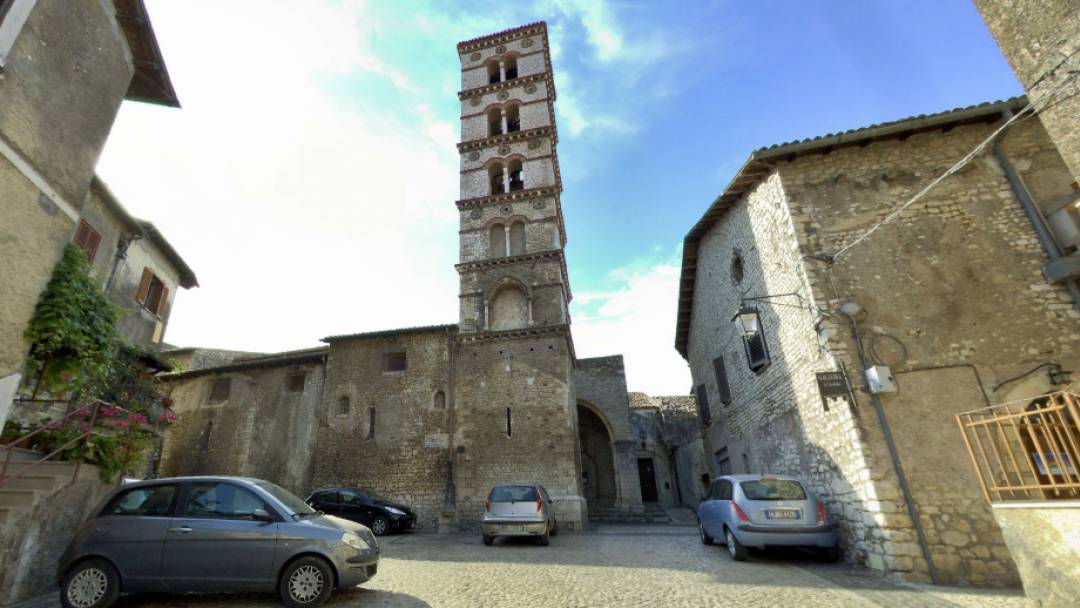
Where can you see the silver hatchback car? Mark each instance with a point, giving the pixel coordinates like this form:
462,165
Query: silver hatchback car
519,510
762,511
208,534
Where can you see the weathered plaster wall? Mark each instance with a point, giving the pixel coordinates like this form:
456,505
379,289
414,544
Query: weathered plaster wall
1041,40
1044,540
404,458
262,430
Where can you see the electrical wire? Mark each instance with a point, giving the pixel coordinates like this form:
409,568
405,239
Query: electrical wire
1026,111
871,350
1024,375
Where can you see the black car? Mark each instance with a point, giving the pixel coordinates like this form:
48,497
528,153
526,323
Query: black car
359,506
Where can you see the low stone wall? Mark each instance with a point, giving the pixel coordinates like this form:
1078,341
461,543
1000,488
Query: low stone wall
31,544
1044,539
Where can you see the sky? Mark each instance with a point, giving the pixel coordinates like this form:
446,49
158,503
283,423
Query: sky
310,177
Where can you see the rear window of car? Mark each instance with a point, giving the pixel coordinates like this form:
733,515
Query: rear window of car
513,494
773,489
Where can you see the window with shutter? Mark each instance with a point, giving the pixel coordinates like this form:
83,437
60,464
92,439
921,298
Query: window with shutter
87,239
144,285
703,405
757,351
721,380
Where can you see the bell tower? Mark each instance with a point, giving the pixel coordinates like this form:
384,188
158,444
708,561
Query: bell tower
515,407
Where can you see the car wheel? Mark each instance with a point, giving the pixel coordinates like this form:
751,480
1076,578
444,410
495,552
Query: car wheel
306,582
544,539
489,540
734,548
830,554
555,528
379,526
705,538
91,584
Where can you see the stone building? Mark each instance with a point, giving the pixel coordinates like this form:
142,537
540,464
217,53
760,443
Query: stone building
950,296
65,67
435,416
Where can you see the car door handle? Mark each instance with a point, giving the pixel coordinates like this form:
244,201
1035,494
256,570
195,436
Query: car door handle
181,529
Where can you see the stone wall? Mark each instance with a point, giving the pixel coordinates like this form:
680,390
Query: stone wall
1041,40
404,457
260,430
601,385
1044,540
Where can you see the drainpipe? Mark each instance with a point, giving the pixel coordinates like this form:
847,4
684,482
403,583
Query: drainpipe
901,478
1046,238
121,254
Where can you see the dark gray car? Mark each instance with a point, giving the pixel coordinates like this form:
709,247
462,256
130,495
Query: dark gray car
196,534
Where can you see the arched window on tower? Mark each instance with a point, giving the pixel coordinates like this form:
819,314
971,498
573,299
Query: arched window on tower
497,241
513,119
440,401
495,178
510,67
516,180
494,118
509,309
492,71
517,238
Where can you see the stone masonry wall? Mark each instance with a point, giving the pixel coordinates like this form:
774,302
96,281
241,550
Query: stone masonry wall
954,282
601,385
404,458
776,422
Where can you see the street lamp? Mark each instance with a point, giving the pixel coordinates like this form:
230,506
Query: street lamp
747,320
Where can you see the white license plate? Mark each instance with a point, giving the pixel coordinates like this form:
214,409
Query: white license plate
781,514
513,528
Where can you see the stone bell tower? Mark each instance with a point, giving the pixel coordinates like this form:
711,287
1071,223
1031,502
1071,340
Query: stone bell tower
515,407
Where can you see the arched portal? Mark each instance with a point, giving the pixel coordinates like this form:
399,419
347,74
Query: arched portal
597,458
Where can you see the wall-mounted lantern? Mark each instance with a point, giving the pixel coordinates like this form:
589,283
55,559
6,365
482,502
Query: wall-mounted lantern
747,321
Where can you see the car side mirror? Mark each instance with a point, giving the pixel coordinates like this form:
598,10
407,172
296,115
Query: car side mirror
261,515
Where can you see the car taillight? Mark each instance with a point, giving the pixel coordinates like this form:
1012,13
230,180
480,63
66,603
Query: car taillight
739,512
821,514
539,503
487,503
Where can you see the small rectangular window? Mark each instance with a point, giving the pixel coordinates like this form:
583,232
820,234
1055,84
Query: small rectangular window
152,293
87,239
343,406
721,380
509,424
395,362
703,405
219,390
371,424
295,382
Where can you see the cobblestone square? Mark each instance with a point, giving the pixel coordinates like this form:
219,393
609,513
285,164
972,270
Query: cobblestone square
609,566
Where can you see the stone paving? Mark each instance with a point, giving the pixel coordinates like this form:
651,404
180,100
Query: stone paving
609,566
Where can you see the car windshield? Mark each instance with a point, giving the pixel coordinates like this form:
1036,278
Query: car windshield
294,504
513,494
773,489
370,496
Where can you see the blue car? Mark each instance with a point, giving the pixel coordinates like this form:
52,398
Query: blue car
744,511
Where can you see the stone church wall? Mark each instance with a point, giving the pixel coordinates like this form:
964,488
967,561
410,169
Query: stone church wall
404,457
601,385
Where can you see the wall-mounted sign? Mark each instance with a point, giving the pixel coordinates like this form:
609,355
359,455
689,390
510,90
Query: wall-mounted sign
833,384
437,440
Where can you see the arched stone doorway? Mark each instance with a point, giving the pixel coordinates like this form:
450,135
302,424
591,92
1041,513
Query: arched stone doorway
597,458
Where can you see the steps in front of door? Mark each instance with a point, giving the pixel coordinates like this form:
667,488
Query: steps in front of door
653,514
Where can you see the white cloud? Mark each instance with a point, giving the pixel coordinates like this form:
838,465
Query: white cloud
301,215
636,318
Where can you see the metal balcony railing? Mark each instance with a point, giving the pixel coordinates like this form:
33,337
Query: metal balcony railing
1026,450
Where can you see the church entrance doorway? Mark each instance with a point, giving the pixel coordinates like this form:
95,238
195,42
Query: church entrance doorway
647,475
597,458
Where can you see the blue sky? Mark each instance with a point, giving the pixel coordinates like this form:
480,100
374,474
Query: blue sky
310,177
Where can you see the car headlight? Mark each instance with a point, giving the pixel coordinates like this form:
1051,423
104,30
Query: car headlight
353,540
393,511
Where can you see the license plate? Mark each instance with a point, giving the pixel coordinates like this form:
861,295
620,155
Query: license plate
781,514
513,528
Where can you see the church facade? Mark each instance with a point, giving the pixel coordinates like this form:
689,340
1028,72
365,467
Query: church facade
435,416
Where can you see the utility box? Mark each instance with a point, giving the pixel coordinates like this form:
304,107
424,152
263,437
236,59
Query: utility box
880,381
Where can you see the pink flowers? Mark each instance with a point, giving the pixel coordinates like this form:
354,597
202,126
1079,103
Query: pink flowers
120,424
138,419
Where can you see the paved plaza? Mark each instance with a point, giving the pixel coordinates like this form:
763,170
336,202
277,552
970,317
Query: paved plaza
663,565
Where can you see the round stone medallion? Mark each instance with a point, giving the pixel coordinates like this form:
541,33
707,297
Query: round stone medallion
534,144
475,214
503,95
530,89
474,56
500,49
526,43
504,149
475,101
474,155
539,203
506,210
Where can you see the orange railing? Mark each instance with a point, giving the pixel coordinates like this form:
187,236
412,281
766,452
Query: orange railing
1026,450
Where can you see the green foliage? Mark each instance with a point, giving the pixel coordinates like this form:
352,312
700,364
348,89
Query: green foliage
73,330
